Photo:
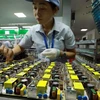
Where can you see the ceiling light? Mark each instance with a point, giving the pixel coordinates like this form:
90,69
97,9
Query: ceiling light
27,27
83,30
9,27
20,15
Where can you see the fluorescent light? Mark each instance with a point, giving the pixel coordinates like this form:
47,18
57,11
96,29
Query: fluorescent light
9,27
20,15
27,27
84,30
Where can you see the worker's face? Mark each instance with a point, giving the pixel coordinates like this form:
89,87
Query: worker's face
43,11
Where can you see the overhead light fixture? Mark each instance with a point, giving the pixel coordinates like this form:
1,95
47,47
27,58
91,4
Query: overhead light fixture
20,15
27,27
83,30
9,27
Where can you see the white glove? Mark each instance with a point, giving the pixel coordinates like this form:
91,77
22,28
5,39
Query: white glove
51,53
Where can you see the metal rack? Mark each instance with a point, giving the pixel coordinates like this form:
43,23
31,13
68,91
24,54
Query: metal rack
89,48
96,13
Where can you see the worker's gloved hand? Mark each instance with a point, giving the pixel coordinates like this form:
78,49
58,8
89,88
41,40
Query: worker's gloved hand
51,53
7,52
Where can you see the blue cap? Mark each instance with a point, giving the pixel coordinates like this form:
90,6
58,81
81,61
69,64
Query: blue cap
79,97
56,2
84,97
39,95
45,96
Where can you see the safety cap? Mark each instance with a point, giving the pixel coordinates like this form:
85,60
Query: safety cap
56,2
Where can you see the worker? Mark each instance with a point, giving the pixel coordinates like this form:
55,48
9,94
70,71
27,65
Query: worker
7,44
53,39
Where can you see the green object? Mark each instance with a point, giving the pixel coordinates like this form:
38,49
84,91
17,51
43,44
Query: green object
10,37
54,88
2,32
20,85
11,32
2,37
93,91
22,31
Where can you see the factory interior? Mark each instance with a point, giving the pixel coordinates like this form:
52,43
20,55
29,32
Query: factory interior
31,76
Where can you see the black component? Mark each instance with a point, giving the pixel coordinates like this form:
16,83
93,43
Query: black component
15,68
33,74
53,93
79,76
20,56
24,81
56,77
85,83
8,73
2,58
50,82
55,84
35,69
93,95
88,89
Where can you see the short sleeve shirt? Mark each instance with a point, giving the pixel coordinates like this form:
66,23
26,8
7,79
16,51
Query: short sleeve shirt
63,39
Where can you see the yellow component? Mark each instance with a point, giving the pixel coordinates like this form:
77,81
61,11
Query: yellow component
21,74
46,77
47,71
25,61
50,67
83,64
98,93
98,64
1,72
20,63
52,64
96,74
12,65
71,72
69,68
9,83
74,78
91,69
42,86
79,88
87,66
67,63
26,69
38,62
22,90
58,94
31,66
5,69
7,77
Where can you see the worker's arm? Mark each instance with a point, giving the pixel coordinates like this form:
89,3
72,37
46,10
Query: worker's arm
17,49
70,53
53,53
9,53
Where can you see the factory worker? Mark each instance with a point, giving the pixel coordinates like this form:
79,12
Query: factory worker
53,39
7,44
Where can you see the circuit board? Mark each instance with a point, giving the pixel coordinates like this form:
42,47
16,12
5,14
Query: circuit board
45,80
39,80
